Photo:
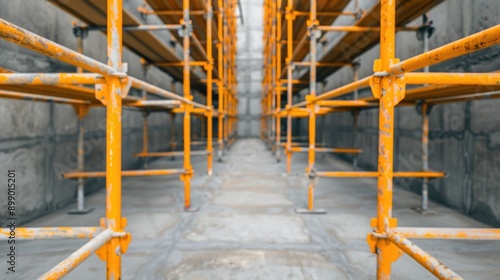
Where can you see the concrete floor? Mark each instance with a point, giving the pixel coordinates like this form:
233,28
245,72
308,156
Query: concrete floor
246,227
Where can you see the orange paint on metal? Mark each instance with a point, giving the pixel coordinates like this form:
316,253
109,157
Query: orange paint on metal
447,233
362,28
51,233
67,265
127,173
470,79
186,177
374,174
170,154
113,92
427,261
209,69
46,47
386,136
49,79
469,44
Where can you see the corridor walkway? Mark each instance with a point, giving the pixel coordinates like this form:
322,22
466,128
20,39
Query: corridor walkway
246,227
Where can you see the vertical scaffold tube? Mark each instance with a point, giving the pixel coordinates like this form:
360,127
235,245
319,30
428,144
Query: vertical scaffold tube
312,107
278,83
220,127
425,156
114,138
210,67
289,47
186,177
386,138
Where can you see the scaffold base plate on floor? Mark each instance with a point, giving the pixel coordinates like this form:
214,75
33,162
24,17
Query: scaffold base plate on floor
80,212
312,212
191,209
425,212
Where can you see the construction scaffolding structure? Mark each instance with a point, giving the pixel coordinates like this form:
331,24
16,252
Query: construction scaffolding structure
194,27
289,25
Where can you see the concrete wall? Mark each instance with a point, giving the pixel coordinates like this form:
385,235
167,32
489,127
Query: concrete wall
38,140
249,63
464,137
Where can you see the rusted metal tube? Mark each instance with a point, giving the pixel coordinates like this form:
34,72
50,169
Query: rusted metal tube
138,84
363,83
328,150
155,103
51,233
311,106
38,98
181,63
447,233
66,266
157,27
453,78
346,103
81,163
322,64
362,28
50,79
425,155
210,67
278,86
299,46
186,177
386,136
168,154
124,173
113,90
221,84
430,263
289,88
319,13
472,43
145,132
30,40
374,174
145,11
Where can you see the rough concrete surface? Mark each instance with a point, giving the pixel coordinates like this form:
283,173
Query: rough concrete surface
38,140
249,64
246,227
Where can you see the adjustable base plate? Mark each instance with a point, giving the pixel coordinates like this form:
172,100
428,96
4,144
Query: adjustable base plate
191,209
80,212
312,212
426,212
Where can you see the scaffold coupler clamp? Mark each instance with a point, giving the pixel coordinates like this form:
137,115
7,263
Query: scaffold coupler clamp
80,31
419,105
426,29
124,238
381,79
311,174
378,241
